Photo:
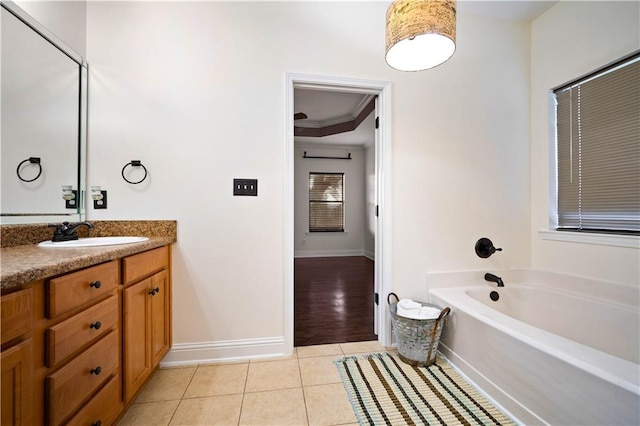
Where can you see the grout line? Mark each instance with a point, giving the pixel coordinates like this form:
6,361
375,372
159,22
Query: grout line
183,393
244,392
304,397
275,390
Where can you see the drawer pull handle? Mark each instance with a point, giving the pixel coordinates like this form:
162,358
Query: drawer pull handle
97,423
95,284
95,325
155,291
96,370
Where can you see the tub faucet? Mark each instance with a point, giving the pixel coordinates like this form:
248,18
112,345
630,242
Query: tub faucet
494,278
67,231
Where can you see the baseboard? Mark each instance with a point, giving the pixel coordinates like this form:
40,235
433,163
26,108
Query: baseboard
224,351
329,253
370,255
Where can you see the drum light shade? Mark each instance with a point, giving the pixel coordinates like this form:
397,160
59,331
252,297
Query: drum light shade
420,33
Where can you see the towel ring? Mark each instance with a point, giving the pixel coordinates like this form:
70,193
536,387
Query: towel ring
134,163
30,160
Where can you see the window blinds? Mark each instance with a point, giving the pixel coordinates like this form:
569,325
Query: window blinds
326,202
598,150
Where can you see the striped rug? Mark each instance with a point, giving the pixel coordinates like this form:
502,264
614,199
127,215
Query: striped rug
383,390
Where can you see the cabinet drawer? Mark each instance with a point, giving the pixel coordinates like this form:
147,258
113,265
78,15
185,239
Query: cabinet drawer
68,387
73,290
16,314
67,337
144,264
103,409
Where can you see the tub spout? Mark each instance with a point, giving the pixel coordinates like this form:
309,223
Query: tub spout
494,278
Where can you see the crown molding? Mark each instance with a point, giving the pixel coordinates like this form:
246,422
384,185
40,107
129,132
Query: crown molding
364,109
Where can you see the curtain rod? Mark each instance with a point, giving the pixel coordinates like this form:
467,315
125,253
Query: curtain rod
328,158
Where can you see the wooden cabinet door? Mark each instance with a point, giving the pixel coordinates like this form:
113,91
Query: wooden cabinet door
16,392
160,316
137,335
147,329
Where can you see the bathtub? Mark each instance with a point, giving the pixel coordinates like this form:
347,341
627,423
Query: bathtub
565,352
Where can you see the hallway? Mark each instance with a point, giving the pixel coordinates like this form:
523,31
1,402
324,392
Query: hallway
333,298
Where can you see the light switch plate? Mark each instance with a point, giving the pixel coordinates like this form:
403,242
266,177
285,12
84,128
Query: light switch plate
245,187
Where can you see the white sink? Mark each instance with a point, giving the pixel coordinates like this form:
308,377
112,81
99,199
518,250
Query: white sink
93,242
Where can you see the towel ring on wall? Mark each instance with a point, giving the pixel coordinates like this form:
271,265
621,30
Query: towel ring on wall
134,163
30,160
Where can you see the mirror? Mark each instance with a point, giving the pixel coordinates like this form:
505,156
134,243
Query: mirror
43,122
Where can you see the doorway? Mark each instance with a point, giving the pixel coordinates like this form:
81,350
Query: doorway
381,91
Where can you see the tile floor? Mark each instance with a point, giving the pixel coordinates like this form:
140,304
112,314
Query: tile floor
303,389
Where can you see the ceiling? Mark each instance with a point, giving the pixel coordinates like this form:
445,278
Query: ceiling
508,9
324,108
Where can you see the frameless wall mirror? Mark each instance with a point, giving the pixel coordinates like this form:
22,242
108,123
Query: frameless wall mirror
43,122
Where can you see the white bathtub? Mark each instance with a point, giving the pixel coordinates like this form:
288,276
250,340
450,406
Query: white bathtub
562,353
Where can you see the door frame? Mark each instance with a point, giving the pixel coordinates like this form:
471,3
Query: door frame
382,272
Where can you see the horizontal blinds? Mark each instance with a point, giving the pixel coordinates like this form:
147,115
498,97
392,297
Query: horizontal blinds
326,202
598,151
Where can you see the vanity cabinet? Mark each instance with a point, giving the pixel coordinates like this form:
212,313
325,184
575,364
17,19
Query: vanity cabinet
147,316
76,348
16,358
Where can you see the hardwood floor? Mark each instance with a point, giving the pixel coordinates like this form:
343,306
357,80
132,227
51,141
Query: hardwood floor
333,300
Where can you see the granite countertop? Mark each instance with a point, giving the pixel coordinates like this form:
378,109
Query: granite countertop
21,264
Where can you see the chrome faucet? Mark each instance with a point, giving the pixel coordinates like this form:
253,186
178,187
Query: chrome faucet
494,278
67,231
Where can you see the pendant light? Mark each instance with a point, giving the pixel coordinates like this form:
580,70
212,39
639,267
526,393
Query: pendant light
420,33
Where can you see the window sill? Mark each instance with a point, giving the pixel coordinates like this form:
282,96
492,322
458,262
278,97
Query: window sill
630,241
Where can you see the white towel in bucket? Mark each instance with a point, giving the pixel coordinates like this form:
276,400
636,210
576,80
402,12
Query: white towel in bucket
408,304
409,309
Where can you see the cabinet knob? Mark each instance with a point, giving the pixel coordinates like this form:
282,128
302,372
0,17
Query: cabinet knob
97,423
95,325
95,284
96,370
155,291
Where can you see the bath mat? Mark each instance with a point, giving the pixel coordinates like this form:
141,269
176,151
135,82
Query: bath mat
383,390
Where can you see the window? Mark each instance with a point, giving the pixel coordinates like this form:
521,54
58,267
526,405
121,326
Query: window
598,150
326,202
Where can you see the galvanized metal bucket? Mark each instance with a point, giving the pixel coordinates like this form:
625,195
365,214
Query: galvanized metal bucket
417,339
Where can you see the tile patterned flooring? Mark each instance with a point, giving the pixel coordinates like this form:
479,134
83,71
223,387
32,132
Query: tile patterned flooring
303,389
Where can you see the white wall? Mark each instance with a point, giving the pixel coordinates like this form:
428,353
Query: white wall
197,92
568,41
350,242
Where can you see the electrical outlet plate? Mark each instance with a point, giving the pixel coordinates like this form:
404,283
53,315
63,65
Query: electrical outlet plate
72,204
101,204
245,187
